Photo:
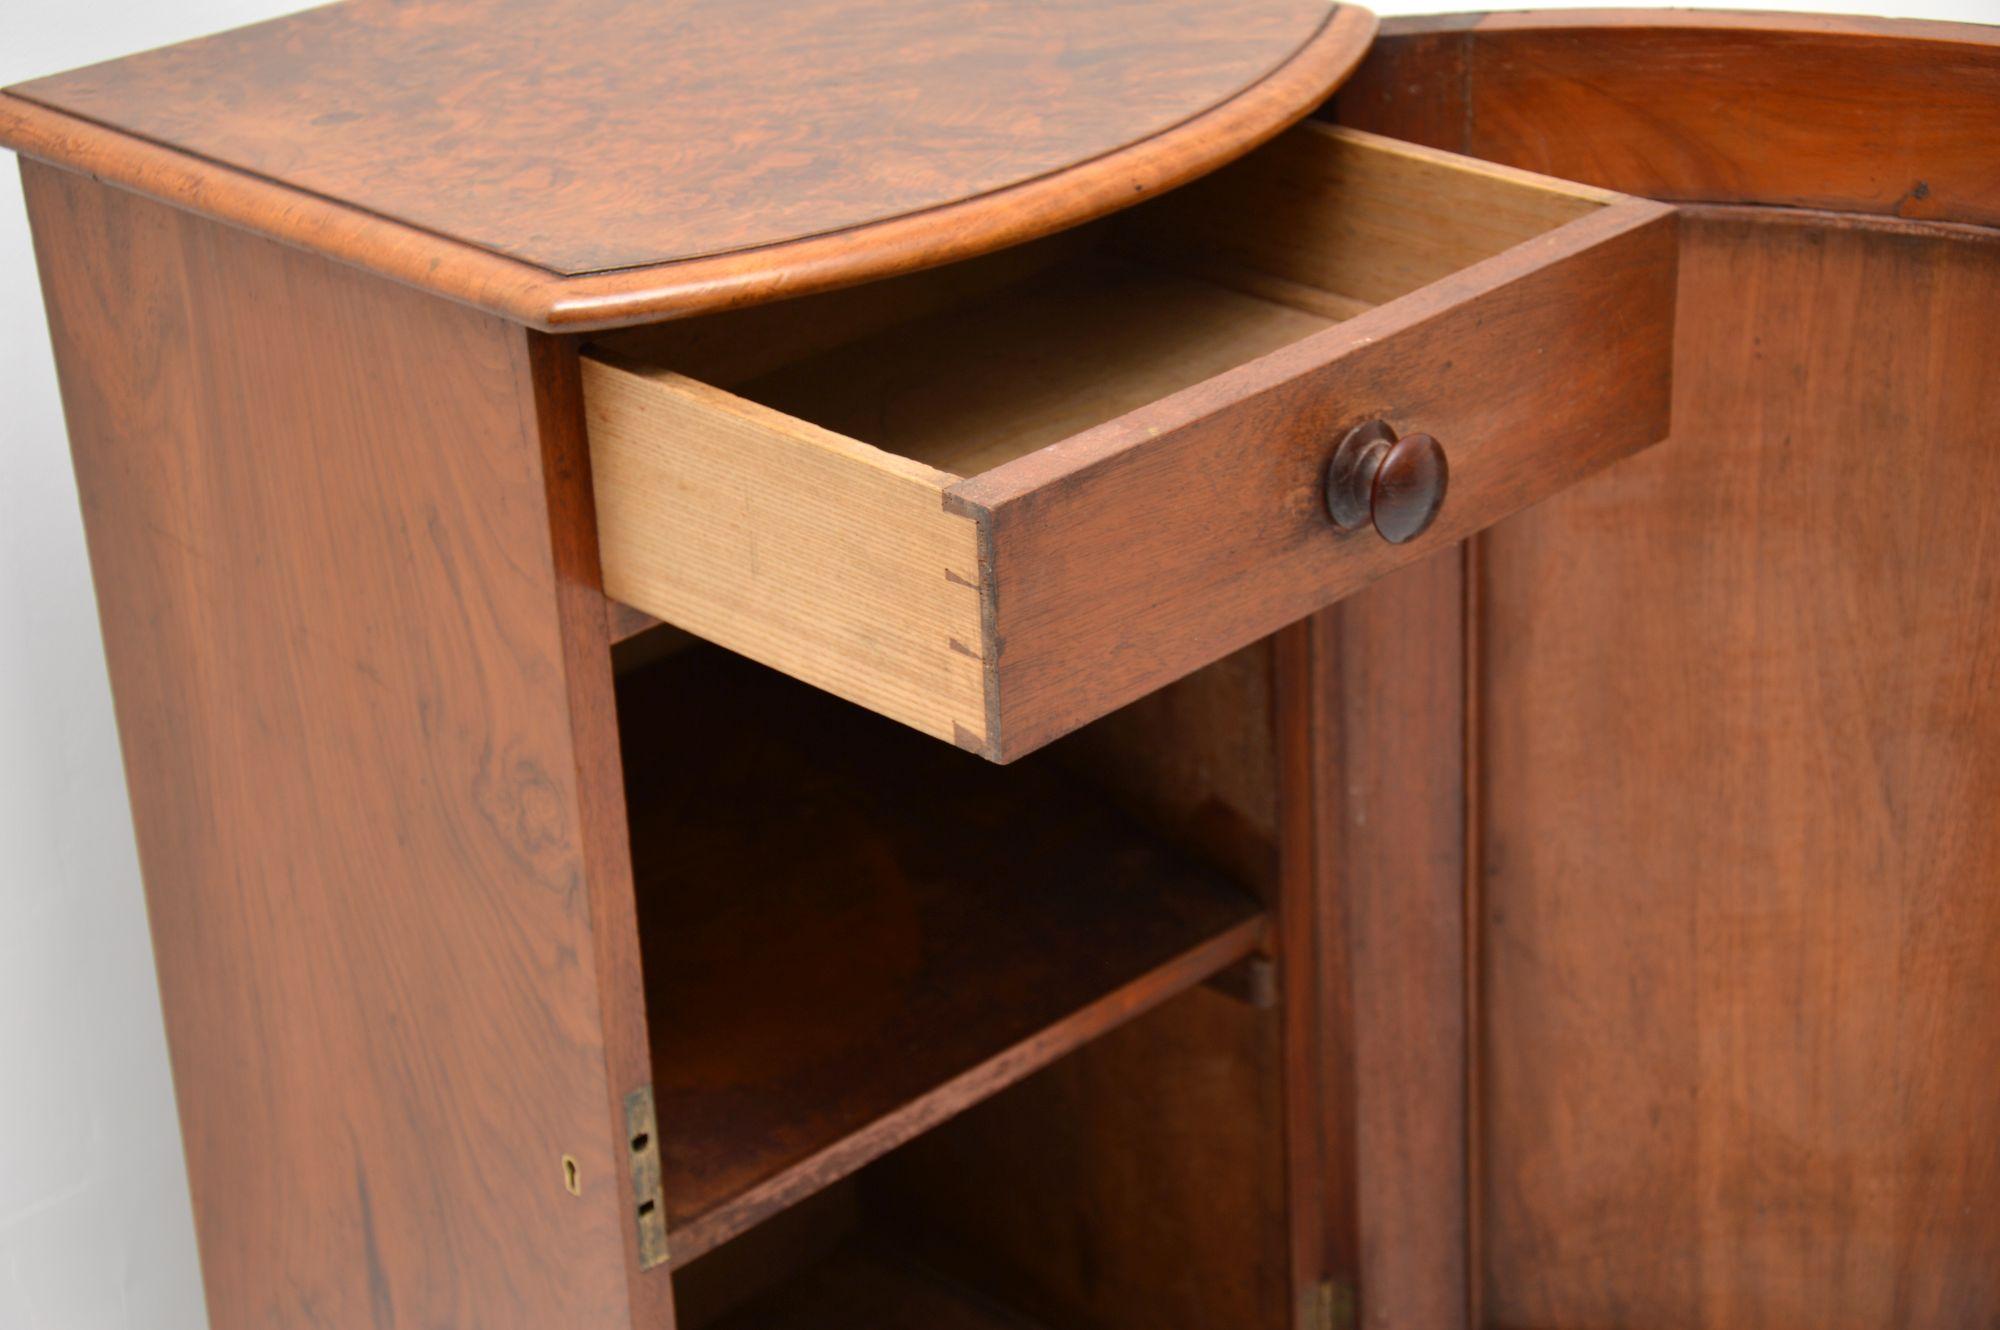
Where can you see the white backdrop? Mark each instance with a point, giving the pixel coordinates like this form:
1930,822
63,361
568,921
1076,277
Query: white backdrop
95,1229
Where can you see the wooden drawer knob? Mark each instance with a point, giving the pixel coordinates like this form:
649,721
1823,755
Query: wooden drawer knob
1397,484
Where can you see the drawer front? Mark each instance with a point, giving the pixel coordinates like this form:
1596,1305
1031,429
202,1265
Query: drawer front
1146,548
1004,610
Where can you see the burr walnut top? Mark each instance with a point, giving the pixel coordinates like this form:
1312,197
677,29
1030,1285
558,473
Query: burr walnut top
544,158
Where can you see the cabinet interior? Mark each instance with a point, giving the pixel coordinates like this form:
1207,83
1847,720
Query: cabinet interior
950,1041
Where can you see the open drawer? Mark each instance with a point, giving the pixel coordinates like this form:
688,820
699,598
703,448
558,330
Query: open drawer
999,499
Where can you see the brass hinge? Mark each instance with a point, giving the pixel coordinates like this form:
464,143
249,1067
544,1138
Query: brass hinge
1333,1305
642,1143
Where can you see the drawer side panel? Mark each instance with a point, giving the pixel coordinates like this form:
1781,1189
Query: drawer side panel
810,552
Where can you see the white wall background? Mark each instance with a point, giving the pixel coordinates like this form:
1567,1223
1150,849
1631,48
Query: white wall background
95,1228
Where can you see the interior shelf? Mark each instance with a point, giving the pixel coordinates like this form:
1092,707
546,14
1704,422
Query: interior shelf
852,932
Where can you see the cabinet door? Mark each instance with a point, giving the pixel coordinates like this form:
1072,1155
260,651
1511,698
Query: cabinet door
1732,728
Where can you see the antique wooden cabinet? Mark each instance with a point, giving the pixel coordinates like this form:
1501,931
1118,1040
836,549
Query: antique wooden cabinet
740,637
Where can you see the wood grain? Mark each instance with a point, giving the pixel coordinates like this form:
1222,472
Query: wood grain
607,162
817,554
853,933
1739,945
354,687
602,134
1848,114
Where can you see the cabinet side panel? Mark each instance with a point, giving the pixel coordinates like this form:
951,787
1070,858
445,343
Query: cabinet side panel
1741,766
318,522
